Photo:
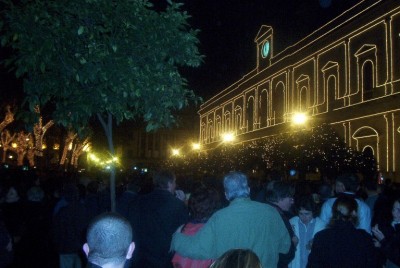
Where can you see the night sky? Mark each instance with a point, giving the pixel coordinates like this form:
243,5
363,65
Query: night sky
228,28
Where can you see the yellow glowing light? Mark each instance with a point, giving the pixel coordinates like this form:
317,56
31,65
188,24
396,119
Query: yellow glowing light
10,156
56,146
175,152
14,145
44,146
228,137
70,146
94,158
86,148
196,146
299,118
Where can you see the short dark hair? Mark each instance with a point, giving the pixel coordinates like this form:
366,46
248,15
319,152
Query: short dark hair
325,191
109,236
162,178
350,181
307,202
278,191
203,202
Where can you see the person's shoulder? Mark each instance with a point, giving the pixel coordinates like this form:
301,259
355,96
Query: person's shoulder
328,203
362,203
318,221
261,205
330,200
294,220
322,234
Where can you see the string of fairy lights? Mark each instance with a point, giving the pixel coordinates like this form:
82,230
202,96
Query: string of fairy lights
317,150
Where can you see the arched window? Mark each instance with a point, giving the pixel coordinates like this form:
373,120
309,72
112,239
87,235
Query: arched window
331,89
279,103
238,120
218,127
263,109
303,99
368,80
250,114
203,133
210,131
227,122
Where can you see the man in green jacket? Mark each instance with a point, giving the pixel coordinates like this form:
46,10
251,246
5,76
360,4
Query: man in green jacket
244,224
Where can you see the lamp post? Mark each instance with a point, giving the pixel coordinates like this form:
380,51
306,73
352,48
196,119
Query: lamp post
176,152
228,137
299,119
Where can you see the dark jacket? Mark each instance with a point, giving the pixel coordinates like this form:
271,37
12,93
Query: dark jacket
154,218
390,245
69,227
285,259
342,246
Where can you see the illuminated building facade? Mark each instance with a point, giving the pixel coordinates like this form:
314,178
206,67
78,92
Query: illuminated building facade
346,73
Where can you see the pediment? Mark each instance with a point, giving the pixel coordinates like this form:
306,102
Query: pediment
330,64
302,78
364,49
263,33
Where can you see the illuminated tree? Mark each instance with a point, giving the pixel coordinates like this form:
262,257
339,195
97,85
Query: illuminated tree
23,144
6,139
115,60
9,118
39,130
69,139
78,149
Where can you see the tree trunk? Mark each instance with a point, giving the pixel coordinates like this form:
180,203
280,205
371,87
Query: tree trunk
4,155
108,131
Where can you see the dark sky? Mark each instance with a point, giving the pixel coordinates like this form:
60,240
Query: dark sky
228,29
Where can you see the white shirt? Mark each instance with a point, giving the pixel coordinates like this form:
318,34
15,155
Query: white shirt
363,213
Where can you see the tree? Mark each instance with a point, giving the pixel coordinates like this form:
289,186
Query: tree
6,139
24,143
39,131
115,60
8,119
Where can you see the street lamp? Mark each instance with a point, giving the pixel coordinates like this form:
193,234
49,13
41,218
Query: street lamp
299,118
196,146
175,152
228,137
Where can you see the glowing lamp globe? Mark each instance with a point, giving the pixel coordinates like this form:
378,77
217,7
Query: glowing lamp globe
299,118
228,137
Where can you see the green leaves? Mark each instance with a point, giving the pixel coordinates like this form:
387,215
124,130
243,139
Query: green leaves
88,57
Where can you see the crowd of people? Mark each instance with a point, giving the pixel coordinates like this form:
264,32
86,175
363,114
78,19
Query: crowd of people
164,221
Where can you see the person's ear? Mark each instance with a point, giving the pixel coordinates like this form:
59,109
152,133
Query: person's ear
86,249
130,251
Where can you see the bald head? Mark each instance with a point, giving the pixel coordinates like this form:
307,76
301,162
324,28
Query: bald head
109,240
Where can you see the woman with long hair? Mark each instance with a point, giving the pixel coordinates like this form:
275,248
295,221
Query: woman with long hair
341,244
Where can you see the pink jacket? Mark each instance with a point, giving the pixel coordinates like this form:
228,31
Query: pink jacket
182,262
